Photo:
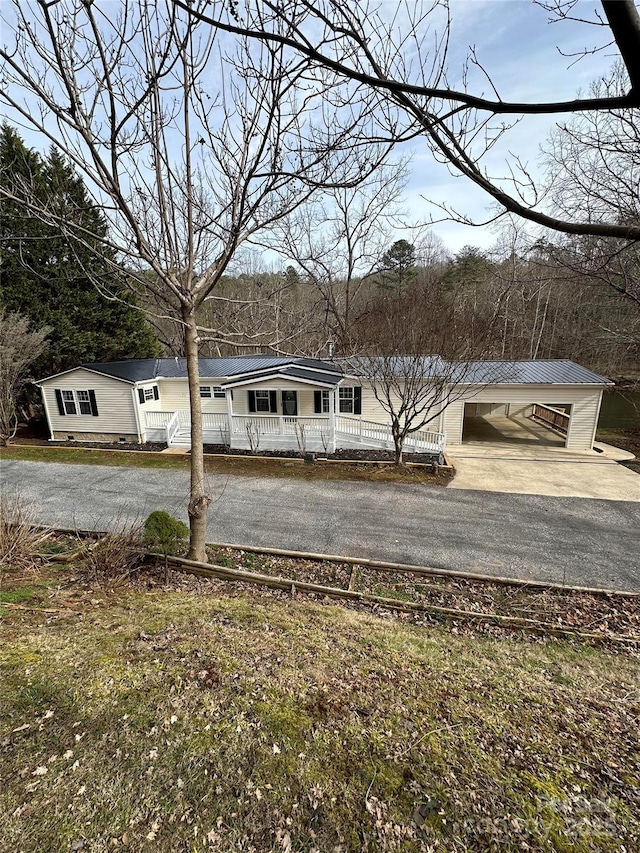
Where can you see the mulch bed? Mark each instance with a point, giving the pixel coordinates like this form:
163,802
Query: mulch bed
346,455
351,455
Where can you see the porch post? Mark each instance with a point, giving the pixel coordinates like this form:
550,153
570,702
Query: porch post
332,422
229,400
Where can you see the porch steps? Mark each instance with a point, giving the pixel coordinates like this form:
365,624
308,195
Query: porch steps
182,438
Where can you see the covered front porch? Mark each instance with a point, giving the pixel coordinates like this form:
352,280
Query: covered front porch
315,434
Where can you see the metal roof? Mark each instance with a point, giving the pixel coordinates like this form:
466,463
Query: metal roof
533,372
315,377
147,369
397,365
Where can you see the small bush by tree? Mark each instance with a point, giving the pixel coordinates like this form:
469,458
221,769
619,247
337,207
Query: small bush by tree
165,533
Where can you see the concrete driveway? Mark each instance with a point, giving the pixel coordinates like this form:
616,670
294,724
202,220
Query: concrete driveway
543,467
576,478
554,539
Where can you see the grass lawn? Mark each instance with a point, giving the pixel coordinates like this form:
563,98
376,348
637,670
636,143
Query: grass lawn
229,465
233,720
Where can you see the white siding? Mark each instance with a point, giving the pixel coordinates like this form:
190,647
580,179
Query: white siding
583,421
452,420
174,397
371,408
113,399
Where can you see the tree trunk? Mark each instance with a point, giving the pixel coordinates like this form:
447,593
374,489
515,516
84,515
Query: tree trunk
199,500
398,442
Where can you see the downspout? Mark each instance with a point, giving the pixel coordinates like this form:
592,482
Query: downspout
332,421
227,393
136,413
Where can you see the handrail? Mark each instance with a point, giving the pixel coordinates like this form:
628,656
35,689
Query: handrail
172,427
155,420
373,430
555,418
271,424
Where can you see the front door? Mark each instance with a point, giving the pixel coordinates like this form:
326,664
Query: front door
290,403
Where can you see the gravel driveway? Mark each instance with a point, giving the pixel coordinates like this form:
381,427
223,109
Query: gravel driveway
572,540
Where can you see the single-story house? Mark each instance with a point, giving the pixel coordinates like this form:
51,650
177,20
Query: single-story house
268,402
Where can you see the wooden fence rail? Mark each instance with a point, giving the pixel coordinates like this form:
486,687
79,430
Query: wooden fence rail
555,418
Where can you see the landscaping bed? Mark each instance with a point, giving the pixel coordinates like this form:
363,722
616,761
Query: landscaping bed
346,454
226,465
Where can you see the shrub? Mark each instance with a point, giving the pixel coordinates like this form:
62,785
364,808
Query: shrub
115,556
165,533
20,538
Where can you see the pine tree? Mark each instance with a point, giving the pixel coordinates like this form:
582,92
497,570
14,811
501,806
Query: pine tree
51,278
398,265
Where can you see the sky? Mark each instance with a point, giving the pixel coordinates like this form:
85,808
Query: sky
518,46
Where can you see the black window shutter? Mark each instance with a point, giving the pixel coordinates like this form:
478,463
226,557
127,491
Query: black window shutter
94,405
252,401
317,402
156,395
273,402
141,395
61,410
357,401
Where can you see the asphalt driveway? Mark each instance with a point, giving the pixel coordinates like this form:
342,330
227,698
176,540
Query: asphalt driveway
557,539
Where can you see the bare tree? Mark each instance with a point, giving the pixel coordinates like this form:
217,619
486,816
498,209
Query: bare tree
337,239
593,165
419,357
19,348
398,64
185,170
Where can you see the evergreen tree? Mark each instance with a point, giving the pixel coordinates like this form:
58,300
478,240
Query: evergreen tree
398,265
50,278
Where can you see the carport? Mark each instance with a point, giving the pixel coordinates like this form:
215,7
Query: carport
493,423
548,403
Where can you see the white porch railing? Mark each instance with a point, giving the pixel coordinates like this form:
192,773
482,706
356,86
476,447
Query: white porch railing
157,420
280,424
316,429
215,420
172,427
421,441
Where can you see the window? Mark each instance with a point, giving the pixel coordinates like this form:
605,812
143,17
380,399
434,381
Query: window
321,402
350,400
147,394
76,402
263,401
84,402
208,391
69,403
